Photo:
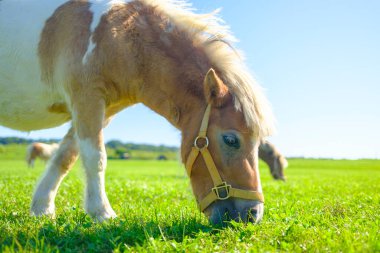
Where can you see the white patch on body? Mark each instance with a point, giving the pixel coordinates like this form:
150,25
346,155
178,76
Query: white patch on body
98,8
24,98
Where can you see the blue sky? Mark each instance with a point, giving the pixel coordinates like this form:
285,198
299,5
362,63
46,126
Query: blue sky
319,61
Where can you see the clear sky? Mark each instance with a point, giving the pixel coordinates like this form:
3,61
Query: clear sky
319,61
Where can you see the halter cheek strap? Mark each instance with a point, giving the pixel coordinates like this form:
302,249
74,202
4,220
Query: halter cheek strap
221,190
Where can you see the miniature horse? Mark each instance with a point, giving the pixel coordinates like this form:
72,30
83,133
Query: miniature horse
39,150
84,61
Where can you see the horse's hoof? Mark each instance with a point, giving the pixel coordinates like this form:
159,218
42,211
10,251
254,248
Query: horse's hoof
42,212
104,216
101,212
41,209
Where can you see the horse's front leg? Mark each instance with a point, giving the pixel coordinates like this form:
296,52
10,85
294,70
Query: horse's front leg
88,117
57,168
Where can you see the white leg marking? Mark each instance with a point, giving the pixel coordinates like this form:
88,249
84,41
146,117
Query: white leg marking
57,169
44,196
95,162
43,199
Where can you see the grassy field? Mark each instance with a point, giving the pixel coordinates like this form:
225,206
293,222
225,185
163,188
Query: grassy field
325,206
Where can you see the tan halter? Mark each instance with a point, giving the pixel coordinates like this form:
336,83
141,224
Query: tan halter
221,189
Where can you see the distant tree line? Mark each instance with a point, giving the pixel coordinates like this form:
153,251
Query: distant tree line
118,145
17,140
113,144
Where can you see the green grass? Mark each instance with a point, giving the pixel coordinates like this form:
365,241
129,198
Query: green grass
325,206
12,151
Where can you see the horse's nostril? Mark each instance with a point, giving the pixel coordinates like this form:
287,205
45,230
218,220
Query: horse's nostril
221,212
237,210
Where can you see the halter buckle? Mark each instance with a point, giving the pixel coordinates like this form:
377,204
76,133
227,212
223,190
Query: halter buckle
224,186
196,145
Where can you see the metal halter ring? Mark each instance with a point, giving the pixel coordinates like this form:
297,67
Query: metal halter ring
199,138
223,186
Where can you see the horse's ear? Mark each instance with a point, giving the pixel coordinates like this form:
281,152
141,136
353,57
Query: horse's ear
216,92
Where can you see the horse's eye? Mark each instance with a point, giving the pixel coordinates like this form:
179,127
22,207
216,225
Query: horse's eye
231,140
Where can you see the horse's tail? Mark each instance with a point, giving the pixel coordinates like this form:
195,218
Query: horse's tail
29,155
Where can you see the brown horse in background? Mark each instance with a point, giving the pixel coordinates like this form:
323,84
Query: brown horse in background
39,150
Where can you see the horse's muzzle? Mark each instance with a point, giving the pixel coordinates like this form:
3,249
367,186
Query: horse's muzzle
240,210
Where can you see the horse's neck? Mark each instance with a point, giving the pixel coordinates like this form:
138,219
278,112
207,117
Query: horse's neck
161,65
174,86
179,100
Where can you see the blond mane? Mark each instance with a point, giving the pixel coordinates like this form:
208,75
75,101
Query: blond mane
209,32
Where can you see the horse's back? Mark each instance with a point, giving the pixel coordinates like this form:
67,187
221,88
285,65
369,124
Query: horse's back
49,48
24,98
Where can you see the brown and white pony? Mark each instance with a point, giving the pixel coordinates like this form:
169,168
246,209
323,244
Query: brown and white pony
85,61
39,150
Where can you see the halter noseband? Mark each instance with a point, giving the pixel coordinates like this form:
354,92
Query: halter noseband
221,190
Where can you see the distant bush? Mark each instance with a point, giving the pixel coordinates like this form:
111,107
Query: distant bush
117,150
116,144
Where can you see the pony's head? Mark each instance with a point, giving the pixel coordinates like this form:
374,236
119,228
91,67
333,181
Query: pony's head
221,153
